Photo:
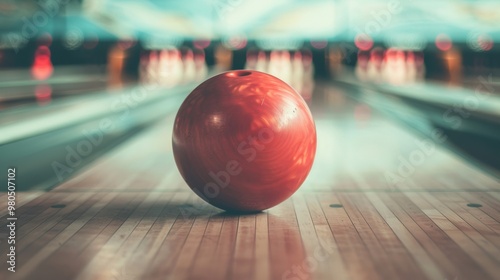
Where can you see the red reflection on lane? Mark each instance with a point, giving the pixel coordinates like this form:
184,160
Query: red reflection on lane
43,94
362,113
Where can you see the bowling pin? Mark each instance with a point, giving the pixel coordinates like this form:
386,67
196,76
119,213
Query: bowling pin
361,68
419,66
297,79
189,67
251,60
261,64
177,70
280,65
143,68
308,81
389,66
400,69
286,67
200,65
274,63
411,69
152,70
375,65
164,68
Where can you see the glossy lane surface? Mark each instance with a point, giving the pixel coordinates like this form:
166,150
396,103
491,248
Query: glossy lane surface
130,215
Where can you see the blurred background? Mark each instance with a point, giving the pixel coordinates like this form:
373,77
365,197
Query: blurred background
62,63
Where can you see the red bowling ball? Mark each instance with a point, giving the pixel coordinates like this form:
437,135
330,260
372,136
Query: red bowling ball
244,141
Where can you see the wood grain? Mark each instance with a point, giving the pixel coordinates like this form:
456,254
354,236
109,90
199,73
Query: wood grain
130,216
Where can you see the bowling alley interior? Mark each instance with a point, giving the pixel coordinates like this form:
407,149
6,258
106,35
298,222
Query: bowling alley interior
259,140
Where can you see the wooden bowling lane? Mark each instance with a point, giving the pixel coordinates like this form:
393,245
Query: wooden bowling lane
130,215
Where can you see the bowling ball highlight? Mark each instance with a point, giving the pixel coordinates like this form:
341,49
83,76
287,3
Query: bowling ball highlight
244,141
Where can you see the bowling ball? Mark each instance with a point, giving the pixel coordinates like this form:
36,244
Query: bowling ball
244,141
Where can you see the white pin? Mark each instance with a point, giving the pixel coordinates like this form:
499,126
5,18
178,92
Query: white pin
177,67
375,66
286,67
361,68
164,65
274,63
419,66
189,67
297,80
200,64
251,60
143,68
400,68
261,64
152,70
411,68
308,81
